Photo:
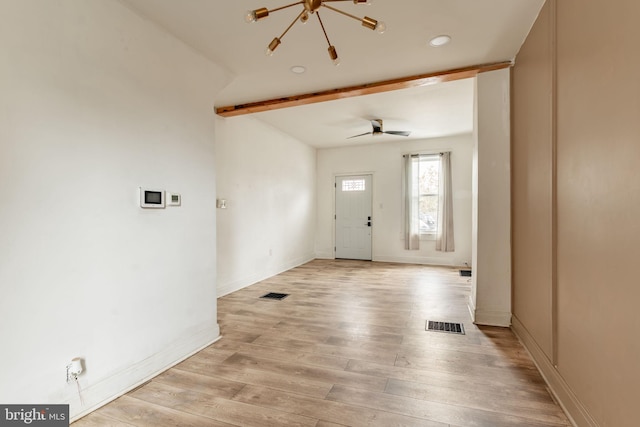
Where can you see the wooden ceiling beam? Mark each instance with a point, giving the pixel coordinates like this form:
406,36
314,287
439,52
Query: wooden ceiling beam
365,89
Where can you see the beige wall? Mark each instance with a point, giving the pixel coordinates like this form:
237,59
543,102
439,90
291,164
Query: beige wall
575,287
532,183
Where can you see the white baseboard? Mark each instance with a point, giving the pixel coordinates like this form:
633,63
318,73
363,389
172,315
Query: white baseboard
262,274
99,394
404,260
488,318
566,398
472,309
325,255
492,318
415,260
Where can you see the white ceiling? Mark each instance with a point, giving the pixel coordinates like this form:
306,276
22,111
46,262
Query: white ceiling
482,31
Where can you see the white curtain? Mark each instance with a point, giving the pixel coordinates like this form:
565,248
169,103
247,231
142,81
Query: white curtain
411,202
444,234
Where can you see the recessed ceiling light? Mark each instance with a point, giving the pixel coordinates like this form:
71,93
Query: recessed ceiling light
298,69
441,40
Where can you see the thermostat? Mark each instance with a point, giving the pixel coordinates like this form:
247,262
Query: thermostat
151,198
174,199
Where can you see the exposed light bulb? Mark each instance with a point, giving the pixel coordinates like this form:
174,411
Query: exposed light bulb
272,46
305,17
334,55
250,17
374,25
256,15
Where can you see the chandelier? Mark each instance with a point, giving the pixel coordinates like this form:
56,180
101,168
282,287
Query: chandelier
311,7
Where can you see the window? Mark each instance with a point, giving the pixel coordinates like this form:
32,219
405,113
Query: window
428,203
428,181
353,185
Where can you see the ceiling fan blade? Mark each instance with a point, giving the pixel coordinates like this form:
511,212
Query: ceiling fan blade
362,134
398,132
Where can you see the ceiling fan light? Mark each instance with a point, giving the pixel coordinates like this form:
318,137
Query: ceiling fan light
334,55
272,46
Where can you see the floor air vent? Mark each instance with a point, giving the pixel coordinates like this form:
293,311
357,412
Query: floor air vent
451,328
274,295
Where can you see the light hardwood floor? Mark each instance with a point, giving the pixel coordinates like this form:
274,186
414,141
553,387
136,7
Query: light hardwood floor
347,347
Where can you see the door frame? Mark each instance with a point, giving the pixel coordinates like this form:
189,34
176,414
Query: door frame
373,204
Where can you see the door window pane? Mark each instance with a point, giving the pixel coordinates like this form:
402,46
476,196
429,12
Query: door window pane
353,185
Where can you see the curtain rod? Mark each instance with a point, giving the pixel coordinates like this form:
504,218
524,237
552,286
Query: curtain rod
431,154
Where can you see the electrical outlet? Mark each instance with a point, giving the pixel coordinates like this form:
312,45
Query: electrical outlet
74,369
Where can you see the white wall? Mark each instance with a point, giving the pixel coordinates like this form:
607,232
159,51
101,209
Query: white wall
96,102
490,299
268,179
384,161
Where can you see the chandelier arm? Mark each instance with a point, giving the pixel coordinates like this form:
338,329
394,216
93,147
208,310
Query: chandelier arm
323,30
352,1
332,49
284,7
292,24
342,12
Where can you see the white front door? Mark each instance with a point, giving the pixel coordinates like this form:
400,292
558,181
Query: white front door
353,217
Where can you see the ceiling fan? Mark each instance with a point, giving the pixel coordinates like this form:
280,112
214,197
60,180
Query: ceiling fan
377,130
